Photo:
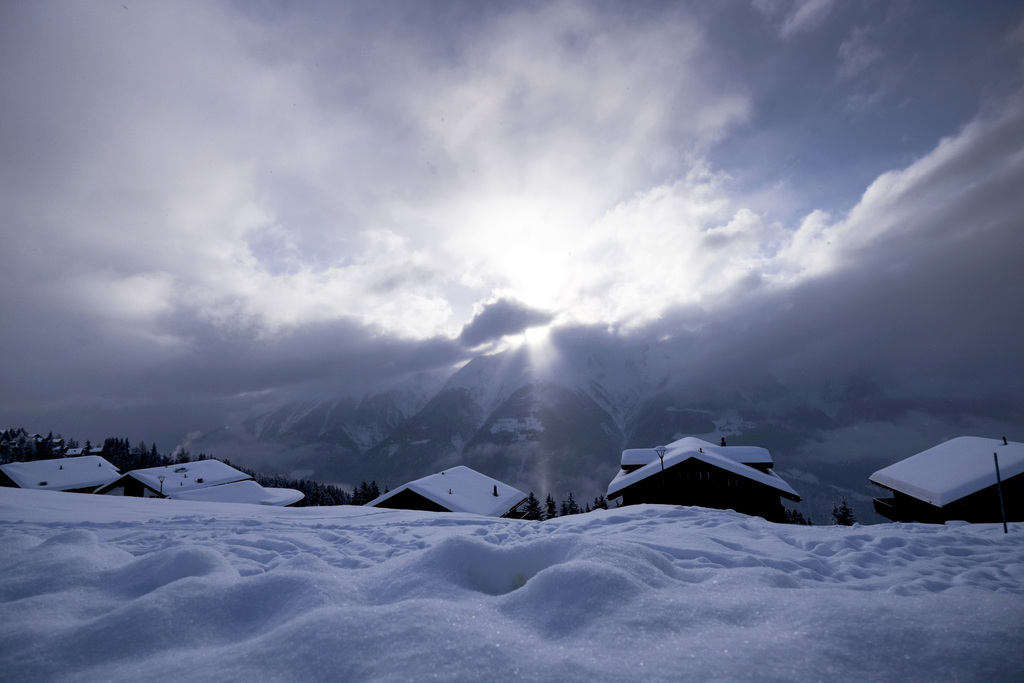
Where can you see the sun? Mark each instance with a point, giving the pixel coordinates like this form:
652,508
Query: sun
537,336
537,342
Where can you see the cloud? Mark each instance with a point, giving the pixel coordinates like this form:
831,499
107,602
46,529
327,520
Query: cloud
857,53
905,304
795,16
957,193
211,202
275,187
501,318
805,16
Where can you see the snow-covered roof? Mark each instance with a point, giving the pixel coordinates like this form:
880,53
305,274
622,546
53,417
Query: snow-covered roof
240,492
461,489
192,475
954,469
62,474
638,457
747,455
730,458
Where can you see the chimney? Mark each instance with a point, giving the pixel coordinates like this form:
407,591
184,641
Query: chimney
495,490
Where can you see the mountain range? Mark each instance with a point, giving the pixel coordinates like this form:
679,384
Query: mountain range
554,426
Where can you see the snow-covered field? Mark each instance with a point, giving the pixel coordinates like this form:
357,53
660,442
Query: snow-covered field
102,588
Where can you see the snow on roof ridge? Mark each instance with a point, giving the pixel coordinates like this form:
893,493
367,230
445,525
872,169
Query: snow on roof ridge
77,472
461,489
746,455
210,472
717,455
953,469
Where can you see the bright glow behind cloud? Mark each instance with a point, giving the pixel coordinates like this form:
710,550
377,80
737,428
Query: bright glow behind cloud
271,172
523,165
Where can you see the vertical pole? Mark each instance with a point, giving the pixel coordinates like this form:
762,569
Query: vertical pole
999,487
660,450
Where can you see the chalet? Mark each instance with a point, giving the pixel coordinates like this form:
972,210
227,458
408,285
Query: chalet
202,480
459,489
692,471
955,480
83,474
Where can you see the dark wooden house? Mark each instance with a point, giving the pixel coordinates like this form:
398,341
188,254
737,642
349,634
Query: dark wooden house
955,480
692,471
459,489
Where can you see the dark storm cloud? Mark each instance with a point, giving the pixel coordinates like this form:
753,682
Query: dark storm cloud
500,318
918,309
102,383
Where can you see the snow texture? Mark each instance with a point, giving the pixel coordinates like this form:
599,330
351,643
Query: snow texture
461,489
241,492
954,469
518,426
62,474
104,588
729,458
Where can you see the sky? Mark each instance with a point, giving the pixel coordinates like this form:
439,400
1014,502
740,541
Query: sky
208,205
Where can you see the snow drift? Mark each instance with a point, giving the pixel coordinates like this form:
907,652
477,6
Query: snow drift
99,588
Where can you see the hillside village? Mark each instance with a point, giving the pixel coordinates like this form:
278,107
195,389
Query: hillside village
951,481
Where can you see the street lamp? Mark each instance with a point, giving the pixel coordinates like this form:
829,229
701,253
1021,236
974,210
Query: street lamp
161,477
660,450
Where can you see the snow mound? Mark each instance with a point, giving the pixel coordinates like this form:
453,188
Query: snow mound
99,588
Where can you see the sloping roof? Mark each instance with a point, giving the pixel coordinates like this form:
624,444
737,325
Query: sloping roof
747,455
954,469
240,492
188,476
461,489
729,458
62,474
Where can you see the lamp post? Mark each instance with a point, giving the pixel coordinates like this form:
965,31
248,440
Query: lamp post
161,477
660,450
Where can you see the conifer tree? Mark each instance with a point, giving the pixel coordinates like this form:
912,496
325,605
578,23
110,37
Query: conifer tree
842,514
360,494
532,510
550,511
796,517
570,506
600,503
